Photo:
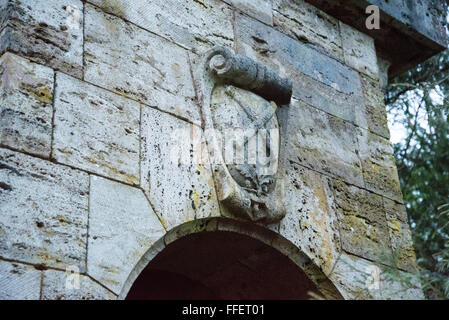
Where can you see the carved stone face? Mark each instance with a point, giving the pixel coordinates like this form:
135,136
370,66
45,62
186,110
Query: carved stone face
250,132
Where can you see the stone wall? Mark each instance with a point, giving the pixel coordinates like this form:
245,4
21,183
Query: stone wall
90,93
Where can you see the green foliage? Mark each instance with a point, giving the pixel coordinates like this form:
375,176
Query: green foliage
419,101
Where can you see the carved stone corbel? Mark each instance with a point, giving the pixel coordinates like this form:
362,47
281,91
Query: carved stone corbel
242,102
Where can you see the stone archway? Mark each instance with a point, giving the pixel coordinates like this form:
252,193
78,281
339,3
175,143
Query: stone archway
220,258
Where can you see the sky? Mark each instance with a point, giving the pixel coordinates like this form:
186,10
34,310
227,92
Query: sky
398,132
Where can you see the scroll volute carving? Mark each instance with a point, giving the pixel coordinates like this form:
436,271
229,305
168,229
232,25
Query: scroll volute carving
244,107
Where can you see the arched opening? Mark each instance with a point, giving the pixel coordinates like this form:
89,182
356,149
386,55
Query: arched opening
222,263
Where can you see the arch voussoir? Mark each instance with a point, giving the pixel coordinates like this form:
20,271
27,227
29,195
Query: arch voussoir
267,239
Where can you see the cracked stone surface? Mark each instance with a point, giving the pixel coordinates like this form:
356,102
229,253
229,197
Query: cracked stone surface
49,32
43,211
96,130
26,95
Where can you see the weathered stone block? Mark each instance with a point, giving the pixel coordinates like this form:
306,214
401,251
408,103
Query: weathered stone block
122,227
357,278
308,223
362,220
378,164
323,142
43,211
6,10
318,79
400,235
155,249
384,70
179,185
19,281
309,25
359,51
192,24
372,114
289,56
96,130
49,32
59,285
137,64
258,9
325,98
26,95
351,276
186,229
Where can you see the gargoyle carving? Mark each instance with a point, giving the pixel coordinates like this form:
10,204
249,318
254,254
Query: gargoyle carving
241,104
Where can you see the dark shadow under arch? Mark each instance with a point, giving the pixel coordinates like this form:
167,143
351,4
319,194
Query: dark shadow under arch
220,258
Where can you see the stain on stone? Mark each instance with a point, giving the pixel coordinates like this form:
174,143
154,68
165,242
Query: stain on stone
5,186
40,267
9,168
62,220
115,7
303,39
42,93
